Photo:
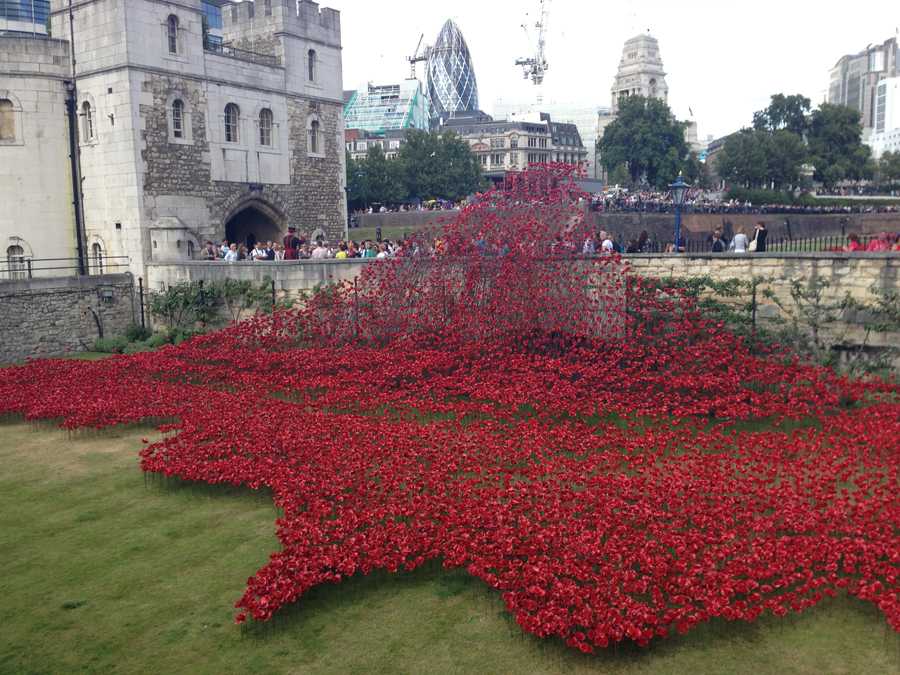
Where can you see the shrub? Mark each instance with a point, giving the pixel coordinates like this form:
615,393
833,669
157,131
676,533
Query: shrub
137,333
113,345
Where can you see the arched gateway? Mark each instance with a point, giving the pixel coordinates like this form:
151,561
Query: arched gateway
255,220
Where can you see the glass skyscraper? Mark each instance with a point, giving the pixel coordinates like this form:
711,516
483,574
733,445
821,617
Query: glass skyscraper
451,78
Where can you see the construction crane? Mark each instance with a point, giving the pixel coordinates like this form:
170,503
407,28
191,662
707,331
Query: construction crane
534,67
418,55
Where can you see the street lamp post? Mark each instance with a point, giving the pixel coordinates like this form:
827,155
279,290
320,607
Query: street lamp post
679,191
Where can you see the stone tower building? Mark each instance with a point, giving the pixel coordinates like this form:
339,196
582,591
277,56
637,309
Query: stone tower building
640,72
186,135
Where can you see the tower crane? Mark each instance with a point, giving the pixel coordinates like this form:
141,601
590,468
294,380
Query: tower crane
533,68
418,55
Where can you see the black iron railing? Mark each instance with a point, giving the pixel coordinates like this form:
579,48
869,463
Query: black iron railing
221,49
19,268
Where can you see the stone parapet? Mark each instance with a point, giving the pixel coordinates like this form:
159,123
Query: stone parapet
56,316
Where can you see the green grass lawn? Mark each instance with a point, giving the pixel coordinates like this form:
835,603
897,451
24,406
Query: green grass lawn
105,571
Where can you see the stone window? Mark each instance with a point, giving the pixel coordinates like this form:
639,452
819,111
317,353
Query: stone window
87,122
96,258
267,5
172,33
232,122
178,118
15,262
315,140
311,64
7,120
251,6
234,16
265,127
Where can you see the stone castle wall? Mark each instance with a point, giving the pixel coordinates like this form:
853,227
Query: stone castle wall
855,274
53,317
180,179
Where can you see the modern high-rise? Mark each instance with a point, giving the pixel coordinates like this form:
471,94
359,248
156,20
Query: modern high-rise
640,72
387,107
855,77
452,87
885,136
23,17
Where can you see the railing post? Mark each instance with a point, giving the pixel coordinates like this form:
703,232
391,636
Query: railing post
28,262
273,295
141,297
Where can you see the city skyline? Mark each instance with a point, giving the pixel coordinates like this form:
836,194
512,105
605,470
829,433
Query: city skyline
767,54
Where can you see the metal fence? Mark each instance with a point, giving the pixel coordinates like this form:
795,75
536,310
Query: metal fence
18,268
836,243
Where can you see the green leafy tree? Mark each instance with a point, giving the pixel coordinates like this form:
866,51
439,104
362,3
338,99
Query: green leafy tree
357,183
788,113
743,159
889,166
647,139
462,170
619,176
383,177
835,145
760,158
439,166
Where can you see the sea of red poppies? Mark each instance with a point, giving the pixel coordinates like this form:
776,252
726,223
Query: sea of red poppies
587,443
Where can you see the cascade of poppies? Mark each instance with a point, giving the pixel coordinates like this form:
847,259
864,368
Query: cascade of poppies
570,434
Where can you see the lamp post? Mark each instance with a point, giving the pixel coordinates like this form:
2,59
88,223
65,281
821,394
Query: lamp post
679,191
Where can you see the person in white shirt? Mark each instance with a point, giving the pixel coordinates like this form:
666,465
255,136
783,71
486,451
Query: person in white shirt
740,242
319,252
232,255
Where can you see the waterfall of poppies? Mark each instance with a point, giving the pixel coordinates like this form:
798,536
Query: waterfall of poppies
588,444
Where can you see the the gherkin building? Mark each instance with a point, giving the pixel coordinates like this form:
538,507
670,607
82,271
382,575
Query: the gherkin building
451,77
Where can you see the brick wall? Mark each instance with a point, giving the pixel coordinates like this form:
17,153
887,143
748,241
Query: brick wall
52,317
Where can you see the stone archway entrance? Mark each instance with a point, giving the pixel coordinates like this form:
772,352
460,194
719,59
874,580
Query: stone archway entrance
253,222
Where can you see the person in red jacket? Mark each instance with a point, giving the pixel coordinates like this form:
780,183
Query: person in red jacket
291,244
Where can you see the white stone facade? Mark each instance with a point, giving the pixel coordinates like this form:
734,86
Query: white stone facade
640,72
161,172
34,153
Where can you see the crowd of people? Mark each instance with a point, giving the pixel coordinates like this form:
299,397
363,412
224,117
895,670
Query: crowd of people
700,201
295,247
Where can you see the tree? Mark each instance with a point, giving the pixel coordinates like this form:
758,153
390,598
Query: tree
383,177
647,139
439,166
759,158
889,166
619,176
835,145
743,159
784,113
357,185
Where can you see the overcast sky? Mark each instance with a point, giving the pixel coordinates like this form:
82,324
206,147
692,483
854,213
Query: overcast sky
723,59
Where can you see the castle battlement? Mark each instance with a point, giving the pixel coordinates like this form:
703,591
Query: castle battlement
257,26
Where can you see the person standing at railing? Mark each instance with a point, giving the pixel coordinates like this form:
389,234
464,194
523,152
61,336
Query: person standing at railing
740,242
716,243
761,238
